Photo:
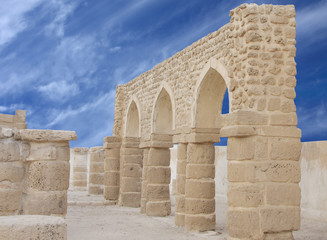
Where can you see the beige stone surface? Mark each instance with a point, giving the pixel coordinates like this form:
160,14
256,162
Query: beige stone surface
33,227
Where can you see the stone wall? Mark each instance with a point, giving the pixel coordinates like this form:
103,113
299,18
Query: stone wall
80,164
34,178
96,171
313,181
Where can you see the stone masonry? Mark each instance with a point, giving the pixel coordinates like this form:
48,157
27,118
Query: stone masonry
96,171
80,171
34,178
252,58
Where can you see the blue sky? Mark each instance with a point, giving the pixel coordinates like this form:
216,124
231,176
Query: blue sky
61,59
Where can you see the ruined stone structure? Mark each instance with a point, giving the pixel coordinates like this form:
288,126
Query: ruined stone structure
80,171
34,178
96,170
180,100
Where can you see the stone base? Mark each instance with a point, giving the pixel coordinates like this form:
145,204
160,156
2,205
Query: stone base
32,227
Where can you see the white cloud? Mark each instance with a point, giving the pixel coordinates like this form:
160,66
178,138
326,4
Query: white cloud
311,21
63,10
105,102
59,91
114,49
12,17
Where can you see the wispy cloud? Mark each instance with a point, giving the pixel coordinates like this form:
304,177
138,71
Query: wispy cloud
59,91
311,22
13,18
63,9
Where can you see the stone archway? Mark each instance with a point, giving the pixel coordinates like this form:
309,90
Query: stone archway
133,121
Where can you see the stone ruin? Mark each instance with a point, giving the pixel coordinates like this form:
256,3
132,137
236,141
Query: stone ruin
179,101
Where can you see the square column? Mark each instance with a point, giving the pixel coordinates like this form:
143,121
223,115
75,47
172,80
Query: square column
131,172
111,148
158,176
180,183
144,180
264,175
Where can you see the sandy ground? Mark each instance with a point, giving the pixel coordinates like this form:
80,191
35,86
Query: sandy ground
89,219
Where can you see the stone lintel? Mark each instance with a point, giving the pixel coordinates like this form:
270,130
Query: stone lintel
111,139
36,135
238,131
111,145
95,149
131,139
246,117
156,144
161,137
80,149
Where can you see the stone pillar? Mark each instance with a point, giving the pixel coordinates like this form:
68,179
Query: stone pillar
11,171
180,184
263,174
158,176
144,180
131,172
200,187
80,169
96,171
47,172
112,169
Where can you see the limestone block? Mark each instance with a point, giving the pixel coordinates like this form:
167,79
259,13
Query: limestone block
130,144
10,201
200,189
283,131
246,195
48,175
63,153
159,157
131,151
246,117
45,203
112,139
243,224
203,222
278,219
112,178
132,170
95,178
113,153
9,151
181,167
285,194
279,236
200,171
158,175
130,185
111,164
240,148
180,203
201,153
34,135
158,209
283,119
6,132
11,171
95,189
285,149
182,151
33,227
96,167
237,131
111,192
199,206
180,184
137,159
268,171
179,219
80,184
80,176
42,151
130,199
157,192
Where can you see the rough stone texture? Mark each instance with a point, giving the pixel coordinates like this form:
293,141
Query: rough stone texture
253,58
79,165
96,170
14,121
32,227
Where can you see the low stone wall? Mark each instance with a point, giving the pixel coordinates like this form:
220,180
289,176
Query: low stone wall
96,170
34,178
79,164
313,182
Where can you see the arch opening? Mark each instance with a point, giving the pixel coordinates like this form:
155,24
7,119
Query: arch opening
163,114
209,103
133,123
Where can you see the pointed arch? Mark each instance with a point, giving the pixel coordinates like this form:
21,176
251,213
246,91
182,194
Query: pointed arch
163,113
133,117
209,95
